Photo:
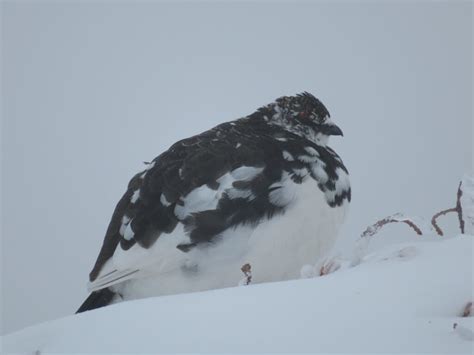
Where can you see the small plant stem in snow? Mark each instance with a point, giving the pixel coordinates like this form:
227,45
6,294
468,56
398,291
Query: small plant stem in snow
457,209
247,270
467,312
439,214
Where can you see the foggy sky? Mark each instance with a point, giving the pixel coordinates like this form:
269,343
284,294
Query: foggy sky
90,90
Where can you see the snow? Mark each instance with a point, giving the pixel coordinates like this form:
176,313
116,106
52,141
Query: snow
467,202
401,298
463,332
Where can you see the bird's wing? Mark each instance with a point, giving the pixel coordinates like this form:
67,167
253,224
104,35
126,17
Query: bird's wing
207,183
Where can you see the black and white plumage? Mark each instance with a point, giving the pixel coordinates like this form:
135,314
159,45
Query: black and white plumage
264,189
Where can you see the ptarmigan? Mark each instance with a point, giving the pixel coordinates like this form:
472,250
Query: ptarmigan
264,189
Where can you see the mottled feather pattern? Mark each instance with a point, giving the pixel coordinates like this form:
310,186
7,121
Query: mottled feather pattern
167,192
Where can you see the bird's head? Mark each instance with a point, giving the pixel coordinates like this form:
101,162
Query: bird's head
304,115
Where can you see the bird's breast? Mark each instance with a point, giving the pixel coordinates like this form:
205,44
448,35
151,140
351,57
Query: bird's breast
307,230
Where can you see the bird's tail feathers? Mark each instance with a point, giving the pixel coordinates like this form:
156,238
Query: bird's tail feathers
97,299
111,278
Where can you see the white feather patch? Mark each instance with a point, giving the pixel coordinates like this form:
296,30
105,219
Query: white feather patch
128,233
245,173
283,193
200,199
237,193
204,198
287,156
319,172
342,183
301,172
122,229
307,158
150,166
164,201
313,152
135,196
123,226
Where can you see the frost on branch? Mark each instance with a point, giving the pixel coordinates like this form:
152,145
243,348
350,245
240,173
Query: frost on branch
396,218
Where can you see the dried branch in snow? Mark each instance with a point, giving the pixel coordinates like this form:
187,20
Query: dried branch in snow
467,312
459,206
363,243
439,214
464,207
329,266
247,270
396,218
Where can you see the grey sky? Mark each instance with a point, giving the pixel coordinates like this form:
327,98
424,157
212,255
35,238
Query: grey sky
91,90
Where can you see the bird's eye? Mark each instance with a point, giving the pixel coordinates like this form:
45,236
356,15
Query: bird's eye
304,114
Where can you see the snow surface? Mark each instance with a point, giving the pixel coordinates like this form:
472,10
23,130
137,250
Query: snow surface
467,203
402,298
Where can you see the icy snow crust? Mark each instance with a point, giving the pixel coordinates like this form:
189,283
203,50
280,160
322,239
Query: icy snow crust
404,298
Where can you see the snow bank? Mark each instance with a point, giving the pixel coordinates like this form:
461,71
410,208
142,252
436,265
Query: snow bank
467,203
404,298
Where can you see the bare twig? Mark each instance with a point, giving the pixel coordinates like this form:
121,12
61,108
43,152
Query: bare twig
374,228
467,312
457,209
247,270
439,214
329,266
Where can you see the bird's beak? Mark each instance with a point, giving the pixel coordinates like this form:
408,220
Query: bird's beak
334,130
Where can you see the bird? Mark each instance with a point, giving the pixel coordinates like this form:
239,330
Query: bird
264,190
